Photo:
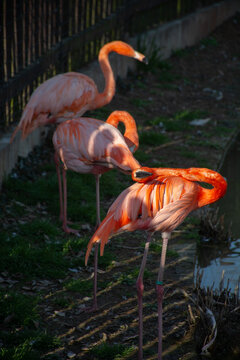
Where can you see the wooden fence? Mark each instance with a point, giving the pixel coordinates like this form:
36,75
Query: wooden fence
41,38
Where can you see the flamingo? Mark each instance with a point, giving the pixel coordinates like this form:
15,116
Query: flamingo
159,201
88,145
71,94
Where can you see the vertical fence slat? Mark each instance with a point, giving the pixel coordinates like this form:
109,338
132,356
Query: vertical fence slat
2,55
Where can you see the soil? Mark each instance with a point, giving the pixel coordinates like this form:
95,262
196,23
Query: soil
204,77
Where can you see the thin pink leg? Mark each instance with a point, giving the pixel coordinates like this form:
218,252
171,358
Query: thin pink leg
56,159
95,307
65,227
160,290
97,177
140,288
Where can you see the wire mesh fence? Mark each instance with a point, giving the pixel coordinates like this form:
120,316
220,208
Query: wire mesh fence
41,38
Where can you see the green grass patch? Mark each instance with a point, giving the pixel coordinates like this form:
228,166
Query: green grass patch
209,41
107,351
156,247
81,193
24,255
100,114
142,156
82,287
141,103
131,277
152,138
179,121
22,340
27,345
22,308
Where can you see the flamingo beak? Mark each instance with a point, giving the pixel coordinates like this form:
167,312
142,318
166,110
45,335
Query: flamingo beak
141,174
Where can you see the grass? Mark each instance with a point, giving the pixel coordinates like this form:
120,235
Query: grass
152,138
141,103
209,41
179,121
22,341
107,351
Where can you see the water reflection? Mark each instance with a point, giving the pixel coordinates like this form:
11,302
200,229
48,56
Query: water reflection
213,259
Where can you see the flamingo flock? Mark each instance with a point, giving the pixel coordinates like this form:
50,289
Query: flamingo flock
160,198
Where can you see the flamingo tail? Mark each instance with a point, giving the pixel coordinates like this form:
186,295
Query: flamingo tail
102,234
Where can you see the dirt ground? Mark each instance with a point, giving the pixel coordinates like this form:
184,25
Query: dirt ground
202,80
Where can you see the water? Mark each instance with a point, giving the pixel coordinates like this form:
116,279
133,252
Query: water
213,259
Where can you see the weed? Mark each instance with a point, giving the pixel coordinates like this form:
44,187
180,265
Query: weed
131,278
140,103
23,255
101,114
27,345
111,351
189,115
152,138
21,307
157,248
181,52
61,301
153,53
209,41
83,287
142,156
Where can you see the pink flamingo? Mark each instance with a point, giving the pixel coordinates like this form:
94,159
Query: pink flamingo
88,145
71,94
159,201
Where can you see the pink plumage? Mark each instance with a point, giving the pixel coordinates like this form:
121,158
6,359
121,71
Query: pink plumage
71,94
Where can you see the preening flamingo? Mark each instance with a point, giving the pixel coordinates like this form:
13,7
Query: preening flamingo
88,145
71,94
159,201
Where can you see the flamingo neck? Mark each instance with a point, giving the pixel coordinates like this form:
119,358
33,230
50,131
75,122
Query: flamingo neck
106,96
130,134
205,196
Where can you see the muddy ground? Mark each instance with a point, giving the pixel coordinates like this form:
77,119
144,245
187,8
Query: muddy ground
199,83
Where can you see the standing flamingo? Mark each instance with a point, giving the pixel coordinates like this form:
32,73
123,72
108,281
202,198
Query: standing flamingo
159,201
71,94
88,145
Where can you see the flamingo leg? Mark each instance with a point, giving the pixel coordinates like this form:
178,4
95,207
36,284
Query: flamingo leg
140,288
56,160
97,177
160,290
65,227
94,307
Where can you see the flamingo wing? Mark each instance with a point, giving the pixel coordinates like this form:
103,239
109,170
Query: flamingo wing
63,95
86,143
136,208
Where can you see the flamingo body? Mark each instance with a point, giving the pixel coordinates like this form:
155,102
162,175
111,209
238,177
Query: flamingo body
160,203
72,94
87,145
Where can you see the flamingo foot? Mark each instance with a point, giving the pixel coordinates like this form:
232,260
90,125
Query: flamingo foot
91,308
68,221
69,230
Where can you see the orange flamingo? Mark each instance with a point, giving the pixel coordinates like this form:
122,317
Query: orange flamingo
159,201
71,94
88,145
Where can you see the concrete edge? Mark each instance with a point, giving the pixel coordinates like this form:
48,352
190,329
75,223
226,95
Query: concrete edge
169,37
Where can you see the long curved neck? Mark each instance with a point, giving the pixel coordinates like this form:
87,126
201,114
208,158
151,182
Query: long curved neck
106,96
208,196
130,134
205,196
